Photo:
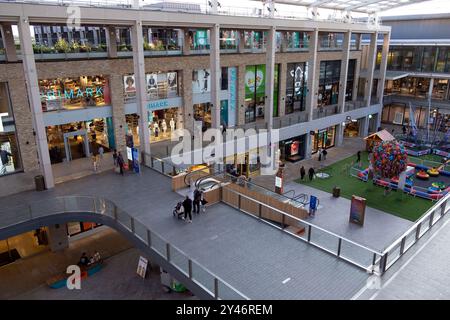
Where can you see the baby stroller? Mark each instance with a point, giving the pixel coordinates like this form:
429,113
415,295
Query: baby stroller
178,211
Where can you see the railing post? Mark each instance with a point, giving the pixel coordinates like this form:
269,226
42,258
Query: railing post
168,251
383,262
190,268
418,231
162,166
260,210
132,224
216,288
443,206
283,222
374,259
339,247
402,245
239,201
149,238
115,212
431,219
309,233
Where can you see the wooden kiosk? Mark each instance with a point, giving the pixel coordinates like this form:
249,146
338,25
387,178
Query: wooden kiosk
376,137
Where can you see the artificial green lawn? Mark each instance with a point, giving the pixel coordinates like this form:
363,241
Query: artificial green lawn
397,203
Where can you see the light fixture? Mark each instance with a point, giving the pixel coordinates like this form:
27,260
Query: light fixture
370,116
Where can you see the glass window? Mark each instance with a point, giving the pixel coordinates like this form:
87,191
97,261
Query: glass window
331,40
160,39
10,161
74,93
228,39
224,79
440,89
429,54
296,87
330,72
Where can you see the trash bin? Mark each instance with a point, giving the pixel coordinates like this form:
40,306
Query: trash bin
336,192
39,182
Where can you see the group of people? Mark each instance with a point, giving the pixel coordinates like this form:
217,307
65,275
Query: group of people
311,173
118,161
86,261
188,204
322,154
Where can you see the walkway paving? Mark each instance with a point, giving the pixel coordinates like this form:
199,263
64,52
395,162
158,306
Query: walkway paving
257,259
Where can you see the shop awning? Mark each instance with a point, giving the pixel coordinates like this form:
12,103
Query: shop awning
395,75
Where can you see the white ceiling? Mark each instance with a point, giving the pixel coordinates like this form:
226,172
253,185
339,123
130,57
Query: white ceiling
363,6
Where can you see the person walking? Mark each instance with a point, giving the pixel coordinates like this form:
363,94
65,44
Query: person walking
115,157
120,162
358,158
197,199
95,162
302,173
324,154
187,206
320,154
311,173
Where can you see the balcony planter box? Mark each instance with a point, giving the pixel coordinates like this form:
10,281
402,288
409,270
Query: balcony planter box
174,52
77,55
229,50
98,54
52,56
124,53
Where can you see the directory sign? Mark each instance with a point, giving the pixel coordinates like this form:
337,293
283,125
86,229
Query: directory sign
357,210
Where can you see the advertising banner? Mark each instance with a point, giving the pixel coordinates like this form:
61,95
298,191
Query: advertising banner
357,210
142,267
135,159
129,83
201,80
232,92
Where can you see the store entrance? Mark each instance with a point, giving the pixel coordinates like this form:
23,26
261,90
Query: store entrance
76,145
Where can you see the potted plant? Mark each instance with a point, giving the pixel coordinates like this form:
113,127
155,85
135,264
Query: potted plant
62,46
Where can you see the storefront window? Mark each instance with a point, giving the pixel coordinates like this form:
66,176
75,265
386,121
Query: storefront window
330,41
229,39
293,149
199,39
330,73
350,80
160,85
159,39
74,93
440,89
297,40
443,60
77,140
255,88
10,161
253,40
296,87
323,139
2,48
123,40
74,228
202,113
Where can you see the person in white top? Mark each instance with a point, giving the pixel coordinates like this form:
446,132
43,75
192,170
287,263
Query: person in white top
172,125
164,126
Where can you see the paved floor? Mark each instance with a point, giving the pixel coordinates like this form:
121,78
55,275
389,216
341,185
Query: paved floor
251,256
379,231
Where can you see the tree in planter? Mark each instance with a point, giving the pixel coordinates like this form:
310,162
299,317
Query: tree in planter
74,46
62,46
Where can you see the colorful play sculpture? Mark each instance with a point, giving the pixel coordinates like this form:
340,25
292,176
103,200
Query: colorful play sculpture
389,159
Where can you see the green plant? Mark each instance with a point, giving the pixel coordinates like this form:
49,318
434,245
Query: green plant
85,48
62,46
123,47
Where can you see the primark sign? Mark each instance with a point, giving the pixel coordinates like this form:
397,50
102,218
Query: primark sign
72,94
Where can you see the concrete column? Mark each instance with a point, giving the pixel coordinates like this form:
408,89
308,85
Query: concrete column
118,110
186,43
340,134
34,97
57,237
270,73
214,57
430,89
241,48
282,74
111,41
284,41
359,41
356,79
364,127
241,95
141,91
344,71
308,146
311,98
8,42
188,111
372,56
383,67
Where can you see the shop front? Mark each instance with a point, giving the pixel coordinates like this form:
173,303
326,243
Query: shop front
159,85
330,73
351,128
244,164
74,93
293,149
296,87
76,228
323,139
77,140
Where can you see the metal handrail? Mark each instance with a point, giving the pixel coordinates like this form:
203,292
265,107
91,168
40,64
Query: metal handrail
28,208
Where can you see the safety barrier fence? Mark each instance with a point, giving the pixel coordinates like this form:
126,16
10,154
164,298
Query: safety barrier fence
195,271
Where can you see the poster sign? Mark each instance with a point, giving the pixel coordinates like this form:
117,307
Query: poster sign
278,182
129,83
142,267
357,210
129,154
135,159
201,80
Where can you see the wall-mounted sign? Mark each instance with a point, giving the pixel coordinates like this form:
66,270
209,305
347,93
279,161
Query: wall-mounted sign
158,105
201,80
357,210
142,267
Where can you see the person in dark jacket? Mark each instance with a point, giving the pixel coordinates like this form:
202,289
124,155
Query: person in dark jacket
302,172
120,162
187,206
311,173
197,200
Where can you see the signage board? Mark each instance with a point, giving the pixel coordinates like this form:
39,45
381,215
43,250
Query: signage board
142,267
357,210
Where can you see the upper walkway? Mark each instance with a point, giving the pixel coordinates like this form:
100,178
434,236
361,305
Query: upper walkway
256,259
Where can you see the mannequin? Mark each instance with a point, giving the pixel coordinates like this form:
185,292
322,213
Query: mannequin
172,125
155,127
164,126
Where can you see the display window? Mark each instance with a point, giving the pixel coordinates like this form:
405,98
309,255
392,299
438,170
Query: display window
351,129
10,161
228,39
296,87
293,149
330,73
77,140
202,113
323,139
74,228
159,85
74,93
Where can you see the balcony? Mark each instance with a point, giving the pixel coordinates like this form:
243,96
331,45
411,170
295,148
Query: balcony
290,119
163,47
63,50
200,49
353,105
228,48
322,112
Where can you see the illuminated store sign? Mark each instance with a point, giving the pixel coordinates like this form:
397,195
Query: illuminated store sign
158,105
71,94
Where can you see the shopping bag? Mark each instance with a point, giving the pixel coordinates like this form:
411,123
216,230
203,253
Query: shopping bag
125,166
